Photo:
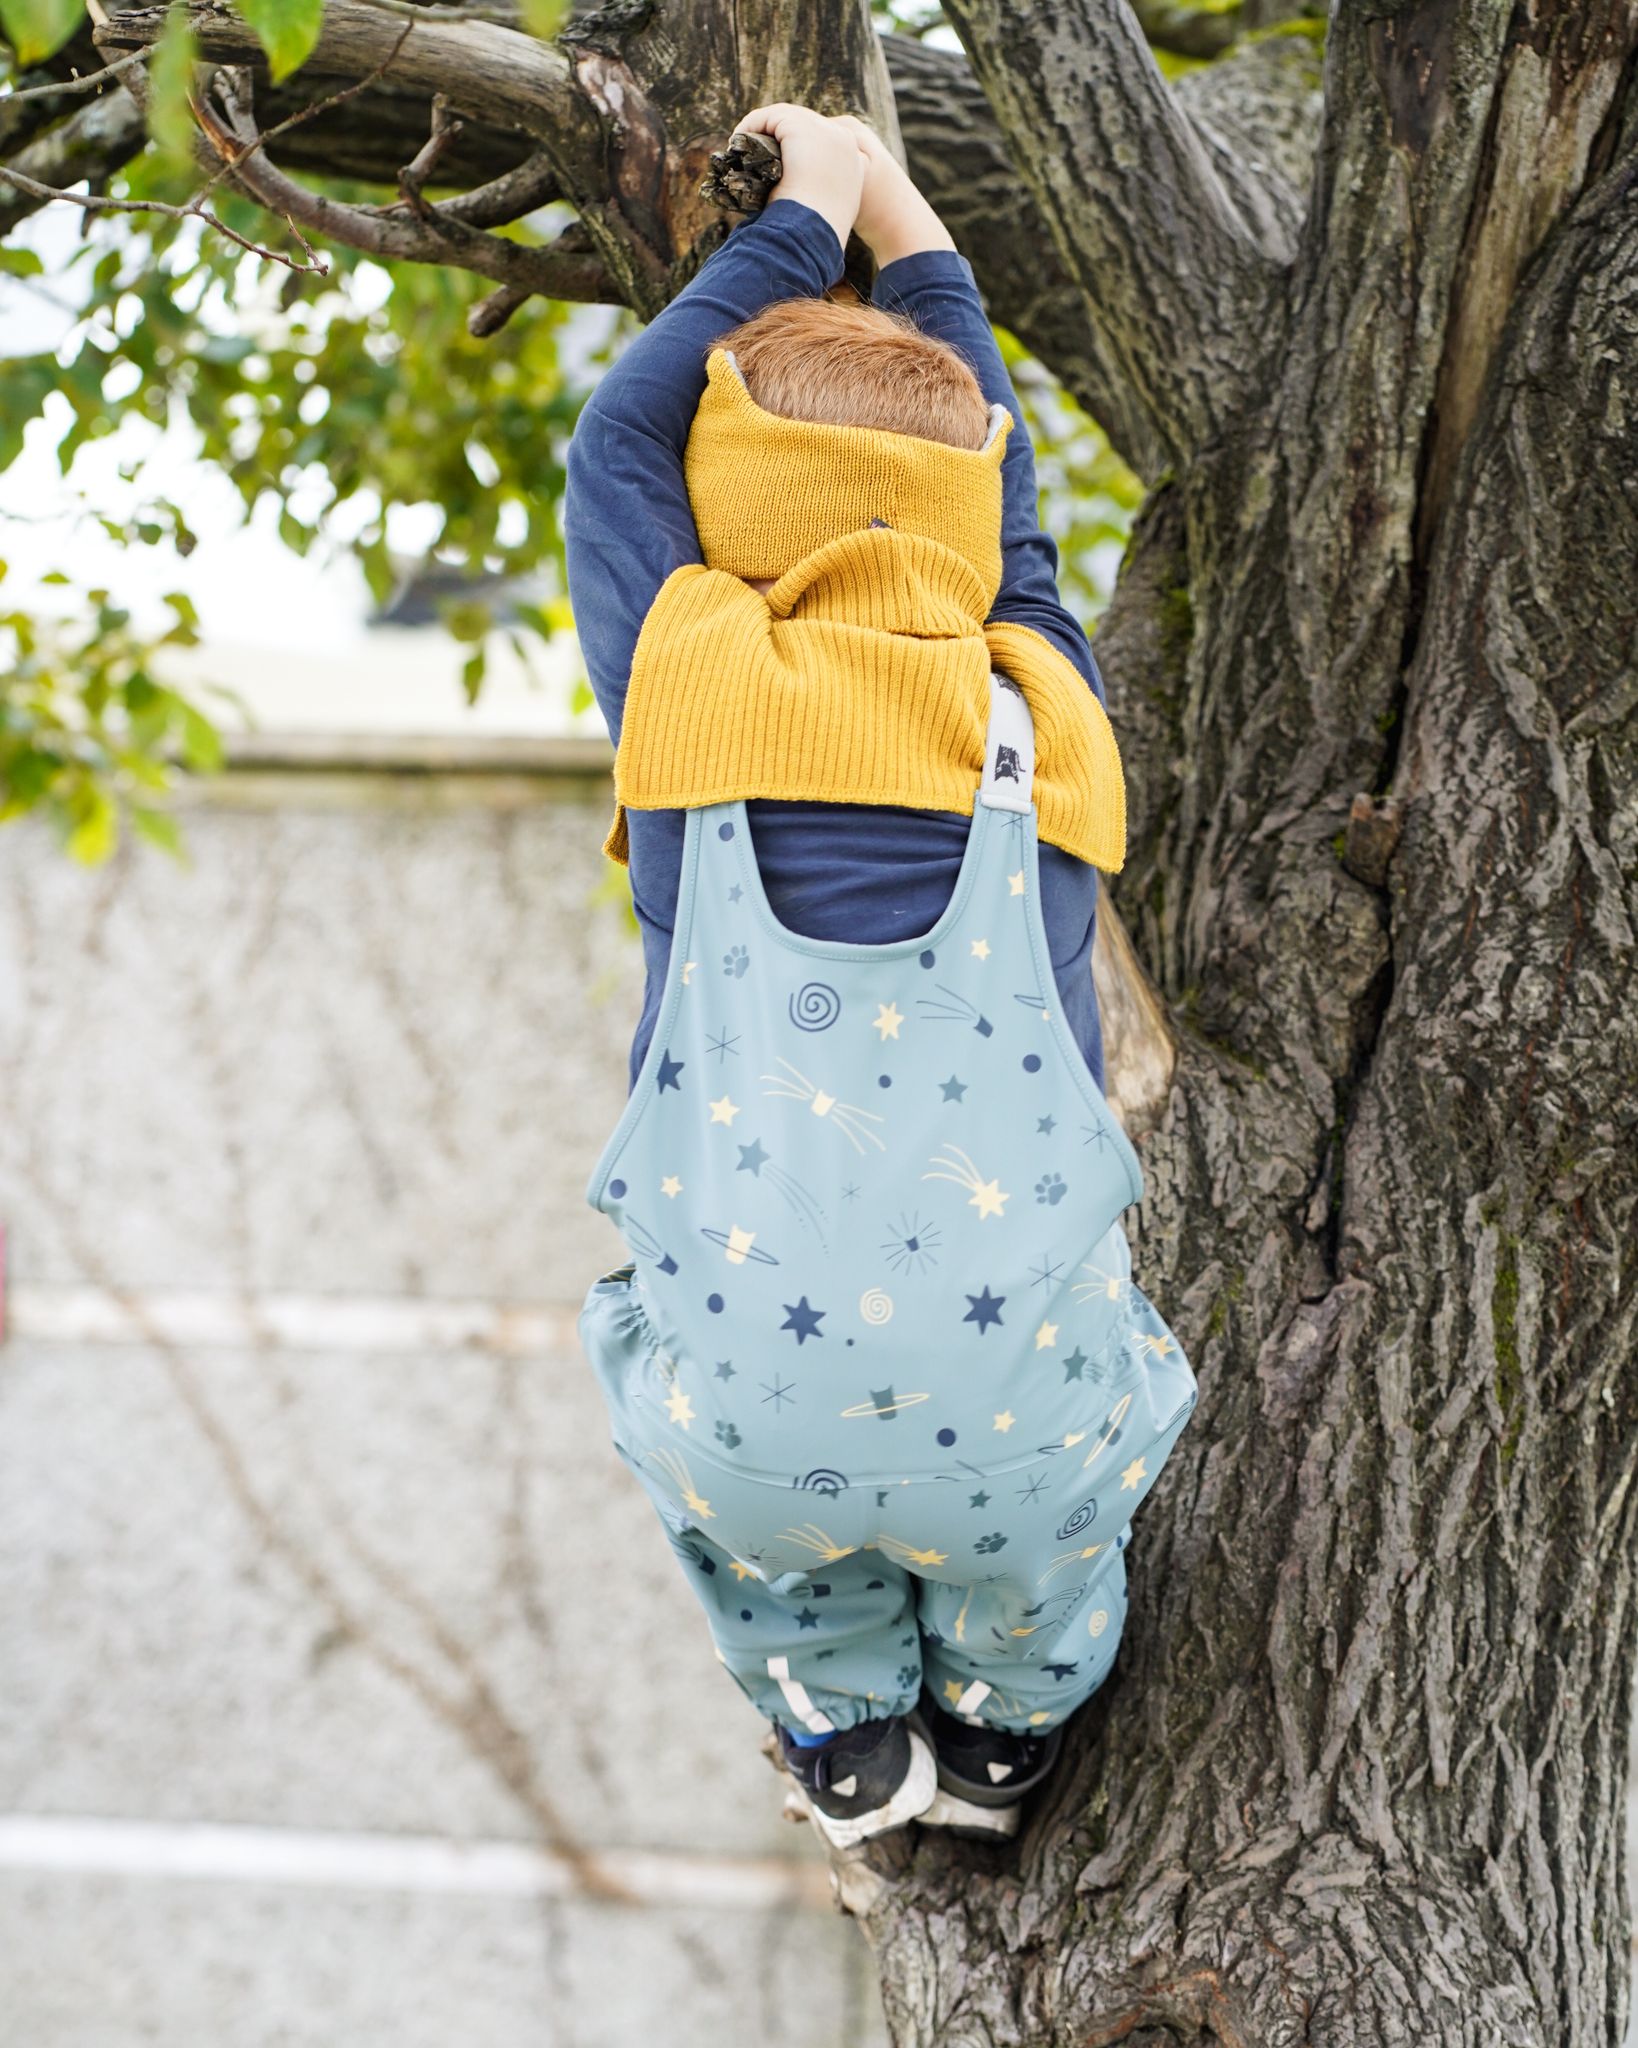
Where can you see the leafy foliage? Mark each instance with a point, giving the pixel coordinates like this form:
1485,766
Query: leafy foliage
88,732
359,404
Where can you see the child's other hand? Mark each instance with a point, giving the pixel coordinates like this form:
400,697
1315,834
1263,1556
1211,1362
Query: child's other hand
824,160
893,219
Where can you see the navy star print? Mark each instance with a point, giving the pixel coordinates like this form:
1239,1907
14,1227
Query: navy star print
803,1319
984,1309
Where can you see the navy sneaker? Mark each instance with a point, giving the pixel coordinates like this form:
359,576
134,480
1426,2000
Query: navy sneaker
864,1781
986,1768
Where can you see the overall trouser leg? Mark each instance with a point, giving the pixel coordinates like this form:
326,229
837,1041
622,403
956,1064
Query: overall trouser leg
1000,1653
817,1651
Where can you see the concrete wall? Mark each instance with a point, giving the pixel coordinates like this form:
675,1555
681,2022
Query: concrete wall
348,1691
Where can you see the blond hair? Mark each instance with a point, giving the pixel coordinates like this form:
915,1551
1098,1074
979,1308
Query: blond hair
843,364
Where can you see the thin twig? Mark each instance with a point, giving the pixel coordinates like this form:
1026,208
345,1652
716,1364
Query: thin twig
91,82
95,204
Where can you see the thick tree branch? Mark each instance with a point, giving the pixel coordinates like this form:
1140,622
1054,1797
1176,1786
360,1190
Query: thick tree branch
1176,258
506,78
494,73
1259,115
1263,100
422,234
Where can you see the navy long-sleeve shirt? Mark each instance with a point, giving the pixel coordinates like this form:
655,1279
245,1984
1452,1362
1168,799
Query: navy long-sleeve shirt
889,872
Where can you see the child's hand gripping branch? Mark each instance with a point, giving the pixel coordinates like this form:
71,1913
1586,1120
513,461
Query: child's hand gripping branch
825,160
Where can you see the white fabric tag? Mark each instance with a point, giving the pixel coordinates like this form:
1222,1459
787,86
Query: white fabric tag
1009,750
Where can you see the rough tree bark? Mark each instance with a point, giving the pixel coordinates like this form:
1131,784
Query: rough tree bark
1374,660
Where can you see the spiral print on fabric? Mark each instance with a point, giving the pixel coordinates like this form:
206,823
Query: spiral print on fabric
815,1006
1083,1518
876,1306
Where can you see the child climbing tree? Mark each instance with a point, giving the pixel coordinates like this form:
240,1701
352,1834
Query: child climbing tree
1359,302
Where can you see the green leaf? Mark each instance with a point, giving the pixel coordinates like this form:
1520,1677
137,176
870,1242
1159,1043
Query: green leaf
94,837
160,828
170,75
286,29
201,742
544,18
35,28
21,262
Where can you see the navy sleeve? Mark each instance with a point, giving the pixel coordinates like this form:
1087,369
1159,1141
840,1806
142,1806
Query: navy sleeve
626,518
936,290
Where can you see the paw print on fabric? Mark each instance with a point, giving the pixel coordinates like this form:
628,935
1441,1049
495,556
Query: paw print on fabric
728,1436
735,961
1050,1188
987,1546
909,1675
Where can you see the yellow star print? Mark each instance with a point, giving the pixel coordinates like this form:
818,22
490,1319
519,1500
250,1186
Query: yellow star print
1138,1469
887,1020
1046,1336
679,1407
671,1185
723,1111
952,1691
925,1557
742,1571
981,949
1016,883
988,1199
1005,1420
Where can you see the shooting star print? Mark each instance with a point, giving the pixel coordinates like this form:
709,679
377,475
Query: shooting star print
793,1085
906,1553
1108,1286
819,1542
951,1007
646,1245
988,1197
675,1467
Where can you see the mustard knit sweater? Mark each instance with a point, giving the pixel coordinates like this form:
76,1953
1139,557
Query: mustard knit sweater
862,676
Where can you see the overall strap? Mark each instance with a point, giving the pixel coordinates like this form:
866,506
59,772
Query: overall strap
1009,750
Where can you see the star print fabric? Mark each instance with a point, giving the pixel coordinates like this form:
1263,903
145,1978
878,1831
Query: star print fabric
879,1359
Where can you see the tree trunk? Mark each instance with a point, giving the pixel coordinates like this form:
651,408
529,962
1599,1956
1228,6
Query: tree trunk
1361,1776
1374,663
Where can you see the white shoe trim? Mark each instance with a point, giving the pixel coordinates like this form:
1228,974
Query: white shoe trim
909,1802
948,1810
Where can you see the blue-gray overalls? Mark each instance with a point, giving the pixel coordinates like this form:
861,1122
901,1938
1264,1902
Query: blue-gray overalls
879,1359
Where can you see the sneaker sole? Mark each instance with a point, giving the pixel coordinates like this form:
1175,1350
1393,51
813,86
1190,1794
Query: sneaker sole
914,1796
973,1823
